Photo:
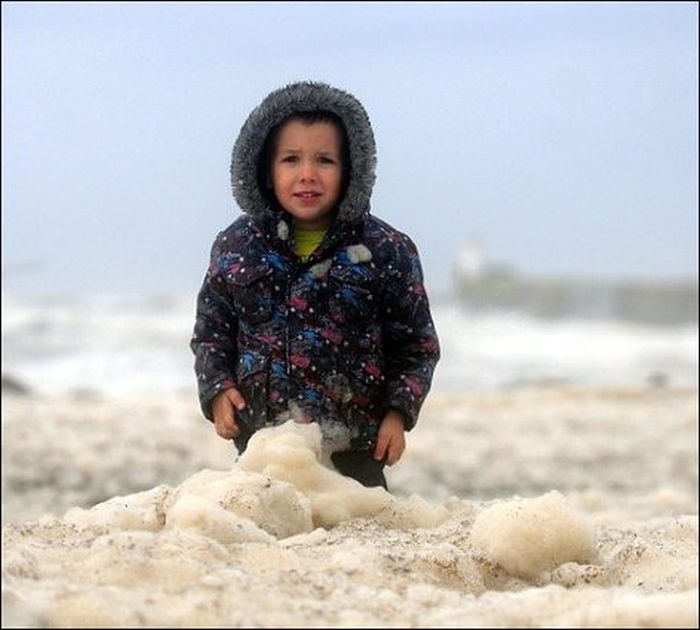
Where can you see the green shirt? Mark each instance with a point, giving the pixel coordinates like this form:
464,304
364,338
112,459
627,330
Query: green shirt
306,241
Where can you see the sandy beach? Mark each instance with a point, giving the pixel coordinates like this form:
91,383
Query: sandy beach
530,507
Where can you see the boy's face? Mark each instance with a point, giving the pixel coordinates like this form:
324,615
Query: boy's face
307,172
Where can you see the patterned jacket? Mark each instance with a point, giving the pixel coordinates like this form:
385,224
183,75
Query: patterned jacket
339,339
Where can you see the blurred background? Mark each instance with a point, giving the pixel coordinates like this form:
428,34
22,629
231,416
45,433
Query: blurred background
543,156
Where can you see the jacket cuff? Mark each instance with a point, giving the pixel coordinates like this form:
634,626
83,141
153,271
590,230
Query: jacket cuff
211,391
409,419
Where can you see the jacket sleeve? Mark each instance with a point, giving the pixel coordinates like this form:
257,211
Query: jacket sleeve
412,348
214,340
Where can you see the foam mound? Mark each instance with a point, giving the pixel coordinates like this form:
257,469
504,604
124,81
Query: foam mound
528,536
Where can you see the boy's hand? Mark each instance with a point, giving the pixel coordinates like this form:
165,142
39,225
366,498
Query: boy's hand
391,441
223,408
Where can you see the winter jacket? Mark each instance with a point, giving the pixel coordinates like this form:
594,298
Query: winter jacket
339,339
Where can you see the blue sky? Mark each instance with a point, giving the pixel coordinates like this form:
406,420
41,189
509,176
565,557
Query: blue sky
564,137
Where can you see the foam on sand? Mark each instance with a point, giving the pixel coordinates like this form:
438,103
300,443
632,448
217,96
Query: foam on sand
279,489
292,453
528,536
280,539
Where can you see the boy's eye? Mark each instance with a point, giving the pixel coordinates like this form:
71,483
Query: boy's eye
289,158
326,160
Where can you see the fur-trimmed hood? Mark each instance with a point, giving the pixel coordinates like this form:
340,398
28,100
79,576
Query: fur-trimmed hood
296,97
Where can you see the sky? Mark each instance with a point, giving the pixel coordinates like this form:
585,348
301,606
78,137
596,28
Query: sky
560,137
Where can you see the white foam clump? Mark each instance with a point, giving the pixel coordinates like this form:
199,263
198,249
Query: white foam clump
528,536
226,506
279,489
139,511
292,452
275,507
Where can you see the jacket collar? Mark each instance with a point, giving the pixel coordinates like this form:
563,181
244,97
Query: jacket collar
276,228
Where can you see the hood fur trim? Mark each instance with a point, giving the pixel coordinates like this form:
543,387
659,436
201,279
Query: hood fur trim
305,96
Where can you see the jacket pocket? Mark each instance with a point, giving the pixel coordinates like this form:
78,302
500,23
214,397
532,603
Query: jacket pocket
352,294
251,290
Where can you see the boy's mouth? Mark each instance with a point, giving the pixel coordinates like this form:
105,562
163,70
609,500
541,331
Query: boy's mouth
307,194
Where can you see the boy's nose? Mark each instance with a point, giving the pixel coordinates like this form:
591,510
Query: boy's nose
308,172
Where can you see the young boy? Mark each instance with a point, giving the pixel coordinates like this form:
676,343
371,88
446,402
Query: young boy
312,308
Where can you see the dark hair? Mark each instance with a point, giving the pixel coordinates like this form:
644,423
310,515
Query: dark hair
308,118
